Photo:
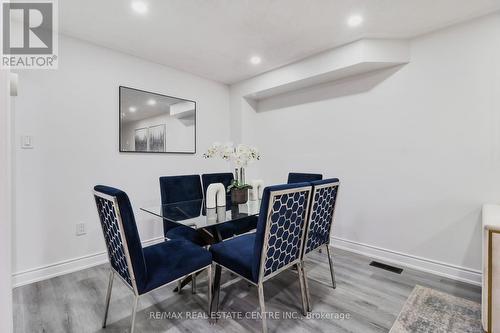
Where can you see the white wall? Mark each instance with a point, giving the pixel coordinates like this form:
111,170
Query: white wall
5,206
417,149
72,113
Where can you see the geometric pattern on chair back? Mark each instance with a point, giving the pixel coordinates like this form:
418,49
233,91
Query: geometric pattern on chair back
113,237
285,229
321,216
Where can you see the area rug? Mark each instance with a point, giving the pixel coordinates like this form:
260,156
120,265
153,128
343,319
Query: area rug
427,310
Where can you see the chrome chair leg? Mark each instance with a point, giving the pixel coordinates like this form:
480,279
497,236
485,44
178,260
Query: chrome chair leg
108,296
306,285
134,312
179,286
209,273
332,270
193,283
260,288
302,288
214,306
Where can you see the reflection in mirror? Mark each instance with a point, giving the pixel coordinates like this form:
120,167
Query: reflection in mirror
155,123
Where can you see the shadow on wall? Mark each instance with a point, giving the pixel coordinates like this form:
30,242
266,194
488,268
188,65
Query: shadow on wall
349,86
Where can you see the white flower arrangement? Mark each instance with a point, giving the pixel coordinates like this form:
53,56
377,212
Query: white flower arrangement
240,155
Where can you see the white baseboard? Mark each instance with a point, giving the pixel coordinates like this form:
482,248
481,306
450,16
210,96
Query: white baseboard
65,266
450,271
392,257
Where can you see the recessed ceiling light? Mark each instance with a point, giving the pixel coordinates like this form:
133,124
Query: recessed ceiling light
139,7
132,109
255,60
152,102
354,20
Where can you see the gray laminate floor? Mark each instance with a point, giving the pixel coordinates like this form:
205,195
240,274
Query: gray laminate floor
369,299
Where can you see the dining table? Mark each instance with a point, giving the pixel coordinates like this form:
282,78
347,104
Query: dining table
196,215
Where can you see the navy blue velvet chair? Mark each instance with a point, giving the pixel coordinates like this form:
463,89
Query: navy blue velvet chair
180,188
296,177
239,227
176,189
319,225
226,178
274,247
142,269
186,188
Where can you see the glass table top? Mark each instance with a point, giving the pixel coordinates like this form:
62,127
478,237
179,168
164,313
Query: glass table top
195,215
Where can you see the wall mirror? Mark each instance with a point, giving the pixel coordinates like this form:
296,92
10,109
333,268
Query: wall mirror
154,123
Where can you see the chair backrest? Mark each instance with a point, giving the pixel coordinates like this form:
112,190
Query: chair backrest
120,234
180,188
280,229
324,198
296,177
226,178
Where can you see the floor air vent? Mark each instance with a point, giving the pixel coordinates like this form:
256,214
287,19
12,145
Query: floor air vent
389,268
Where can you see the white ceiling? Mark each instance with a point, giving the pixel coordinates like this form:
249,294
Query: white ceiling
138,100
216,38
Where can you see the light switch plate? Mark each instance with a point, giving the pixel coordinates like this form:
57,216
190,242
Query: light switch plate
27,142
